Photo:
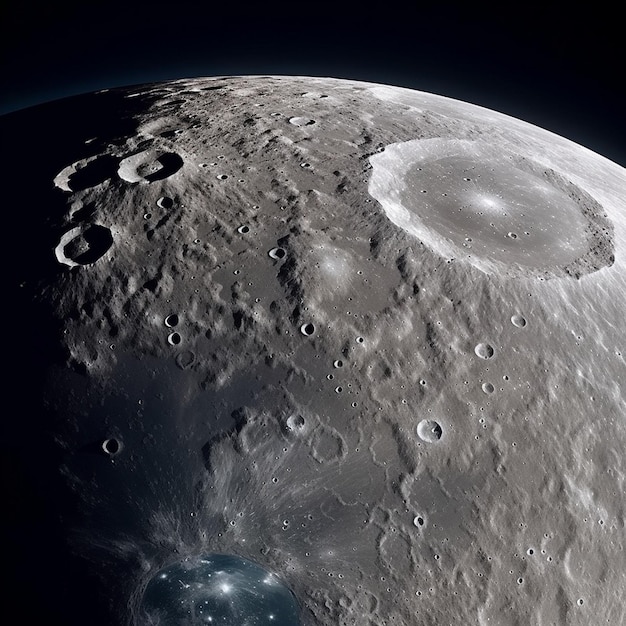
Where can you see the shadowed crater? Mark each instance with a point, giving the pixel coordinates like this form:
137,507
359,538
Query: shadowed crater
84,246
149,166
93,173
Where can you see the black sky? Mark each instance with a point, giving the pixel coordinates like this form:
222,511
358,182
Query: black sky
553,65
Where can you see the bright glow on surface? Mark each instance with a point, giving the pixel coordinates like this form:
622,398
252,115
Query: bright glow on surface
473,200
224,589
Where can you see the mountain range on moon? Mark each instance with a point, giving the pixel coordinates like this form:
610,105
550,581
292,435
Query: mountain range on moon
316,351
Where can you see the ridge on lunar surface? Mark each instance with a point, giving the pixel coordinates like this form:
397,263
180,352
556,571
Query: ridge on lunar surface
363,341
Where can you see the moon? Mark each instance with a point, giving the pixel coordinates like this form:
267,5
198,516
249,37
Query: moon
360,341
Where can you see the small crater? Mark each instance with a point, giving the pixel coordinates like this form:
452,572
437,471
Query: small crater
295,423
165,203
484,351
151,284
277,253
429,431
174,339
84,246
111,446
488,388
327,445
518,320
301,121
307,329
338,363
243,229
419,521
185,359
171,321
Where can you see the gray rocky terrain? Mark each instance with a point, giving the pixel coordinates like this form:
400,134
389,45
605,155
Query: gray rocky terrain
367,338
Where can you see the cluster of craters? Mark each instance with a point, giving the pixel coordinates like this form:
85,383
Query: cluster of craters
86,244
345,289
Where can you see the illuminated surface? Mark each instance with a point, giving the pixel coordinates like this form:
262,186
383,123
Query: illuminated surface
474,201
334,370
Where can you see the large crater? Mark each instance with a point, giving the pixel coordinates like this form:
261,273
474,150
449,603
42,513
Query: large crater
503,213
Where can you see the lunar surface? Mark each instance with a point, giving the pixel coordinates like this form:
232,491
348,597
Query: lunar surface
308,351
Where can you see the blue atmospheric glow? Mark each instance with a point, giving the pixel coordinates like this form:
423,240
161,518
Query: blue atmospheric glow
218,589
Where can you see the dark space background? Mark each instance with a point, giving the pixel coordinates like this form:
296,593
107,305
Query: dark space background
561,69
557,65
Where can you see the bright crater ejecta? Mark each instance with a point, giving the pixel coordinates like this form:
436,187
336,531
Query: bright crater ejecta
322,352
